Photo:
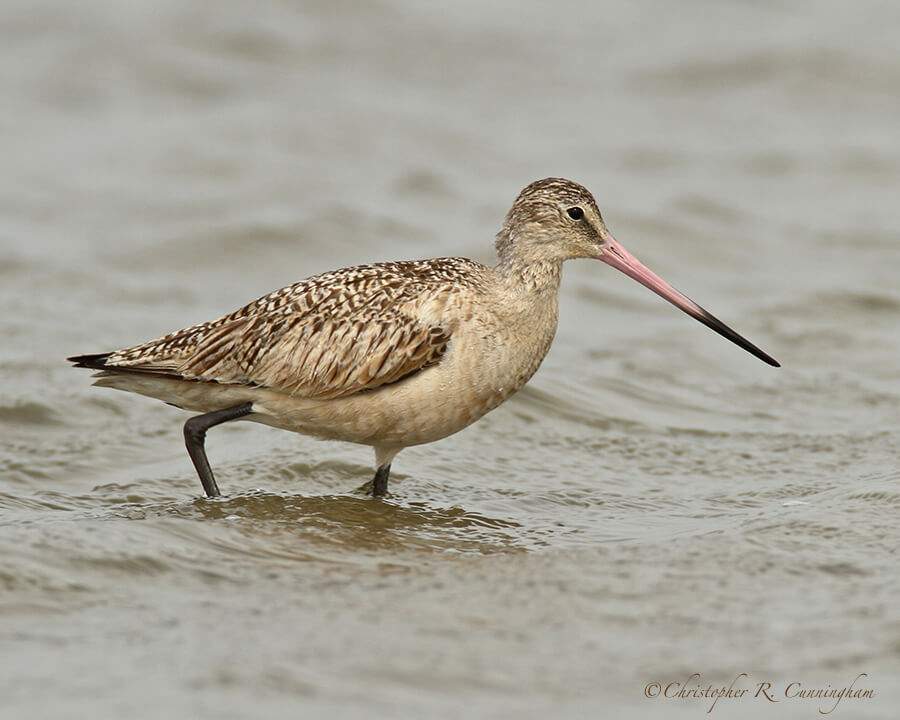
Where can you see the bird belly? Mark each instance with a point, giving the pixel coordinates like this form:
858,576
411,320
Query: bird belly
479,371
472,379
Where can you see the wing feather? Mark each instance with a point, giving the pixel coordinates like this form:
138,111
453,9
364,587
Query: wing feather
330,336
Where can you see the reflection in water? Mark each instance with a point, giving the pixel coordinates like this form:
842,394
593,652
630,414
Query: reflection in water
301,526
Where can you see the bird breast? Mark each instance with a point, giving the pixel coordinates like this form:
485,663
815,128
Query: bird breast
496,345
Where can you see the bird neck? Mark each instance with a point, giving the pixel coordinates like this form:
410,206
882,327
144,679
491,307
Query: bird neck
529,277
523,269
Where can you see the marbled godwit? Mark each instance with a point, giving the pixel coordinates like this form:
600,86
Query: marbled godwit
391,354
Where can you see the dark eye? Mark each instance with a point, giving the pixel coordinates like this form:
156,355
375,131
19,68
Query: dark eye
576,213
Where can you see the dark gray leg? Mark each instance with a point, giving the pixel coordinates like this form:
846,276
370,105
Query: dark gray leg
195,435
379,484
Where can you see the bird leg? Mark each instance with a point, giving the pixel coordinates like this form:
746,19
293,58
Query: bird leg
380,482
195,436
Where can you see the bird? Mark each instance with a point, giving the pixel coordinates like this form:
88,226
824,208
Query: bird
390,354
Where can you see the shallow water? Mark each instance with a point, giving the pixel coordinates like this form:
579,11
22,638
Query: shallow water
655,503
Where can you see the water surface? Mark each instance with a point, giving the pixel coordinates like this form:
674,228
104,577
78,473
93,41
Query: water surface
655,503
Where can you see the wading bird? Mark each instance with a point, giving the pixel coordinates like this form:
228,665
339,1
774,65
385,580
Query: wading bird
391,354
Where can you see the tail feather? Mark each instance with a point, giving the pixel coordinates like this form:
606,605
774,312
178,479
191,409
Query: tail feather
95,362
100,362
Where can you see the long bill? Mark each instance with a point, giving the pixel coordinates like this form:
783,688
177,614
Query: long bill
618,257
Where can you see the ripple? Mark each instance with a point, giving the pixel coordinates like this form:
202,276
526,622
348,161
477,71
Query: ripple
339,525
809,71
30,413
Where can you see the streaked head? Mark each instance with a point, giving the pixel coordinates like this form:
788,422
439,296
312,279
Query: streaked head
552,220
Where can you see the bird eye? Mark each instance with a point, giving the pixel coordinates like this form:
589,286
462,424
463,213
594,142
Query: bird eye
576,213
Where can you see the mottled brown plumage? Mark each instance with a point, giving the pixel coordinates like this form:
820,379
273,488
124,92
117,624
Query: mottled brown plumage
328,336
389,354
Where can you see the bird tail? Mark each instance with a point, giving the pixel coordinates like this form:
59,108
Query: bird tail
95,362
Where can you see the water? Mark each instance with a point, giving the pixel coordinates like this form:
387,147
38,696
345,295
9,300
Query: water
656,503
